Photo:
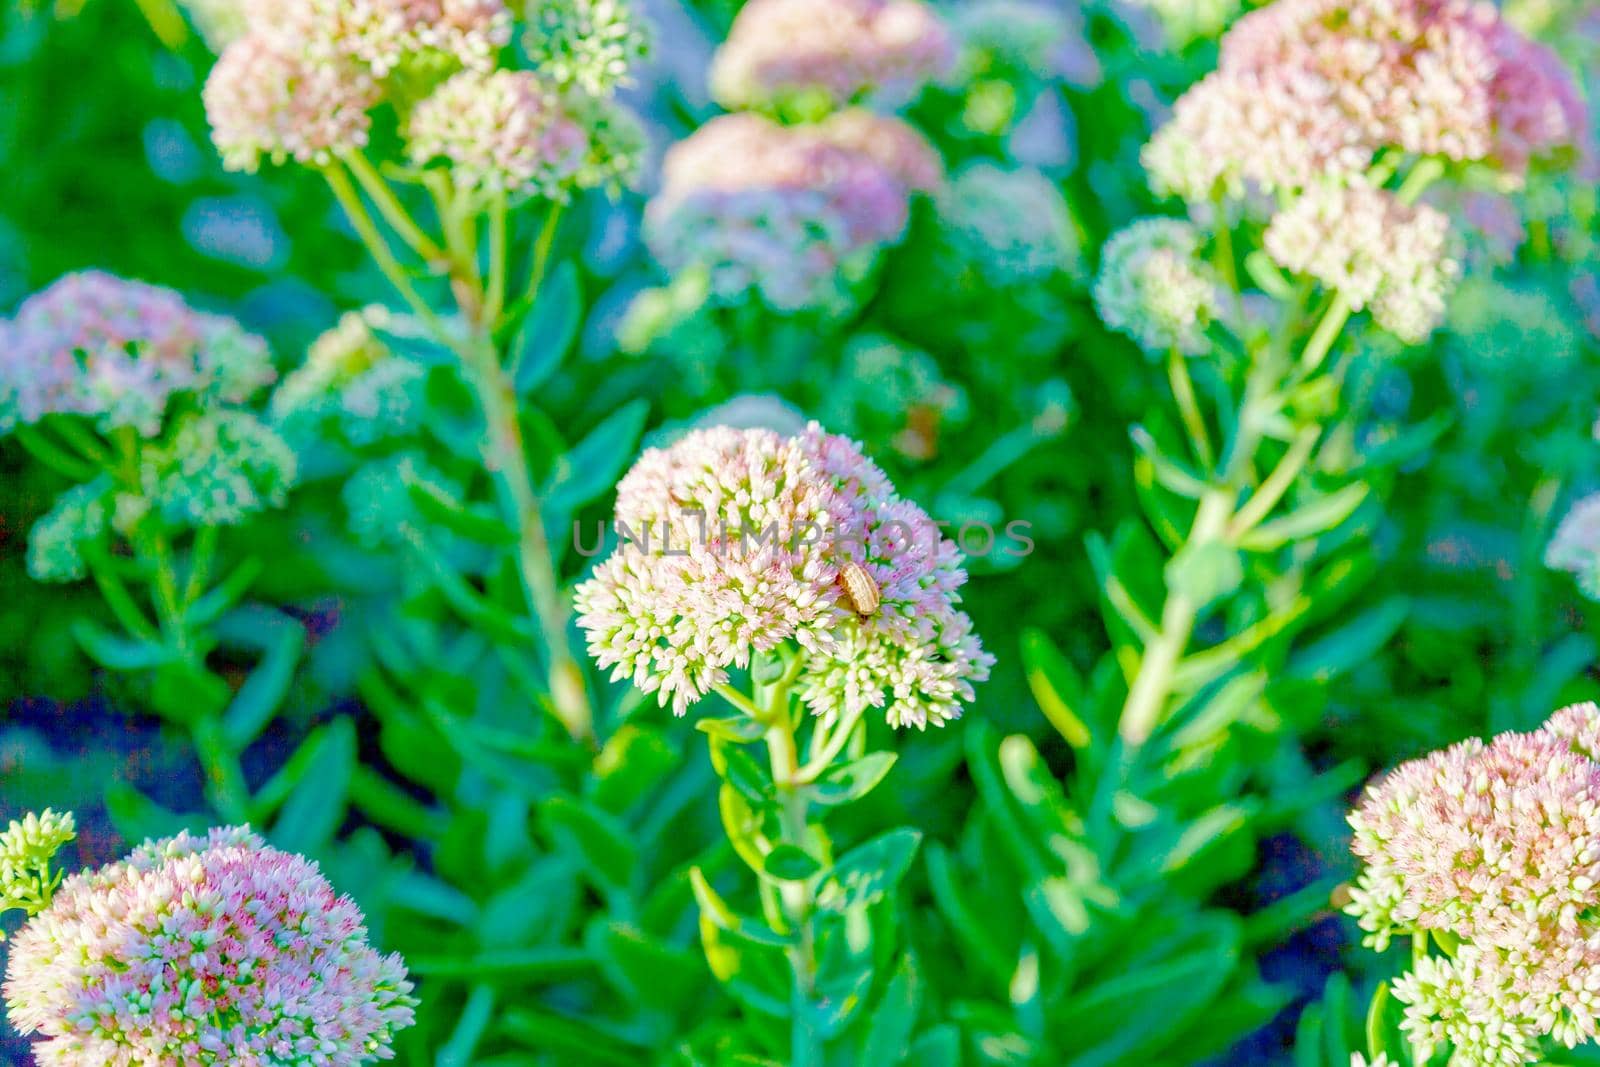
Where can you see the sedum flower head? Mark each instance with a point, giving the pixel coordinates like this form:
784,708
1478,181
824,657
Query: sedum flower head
117,351
220,22
1497,847
1316,87
837,51
735,544
1154,287
1576,545
501,132
301,82
1374,250
213,950
56,543
1191,20
26,848
591,44
1013,225
1023,37
265,99
219,468
351,377
783,210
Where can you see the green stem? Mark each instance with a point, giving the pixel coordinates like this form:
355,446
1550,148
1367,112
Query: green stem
798,896
1278,482
496,297
835,743
1327,332
226,788
54,456
505,458
1152,684
201,556
367,230
1189,407
739,700
541,252
389,206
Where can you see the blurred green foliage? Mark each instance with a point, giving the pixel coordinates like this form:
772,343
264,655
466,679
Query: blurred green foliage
1060,908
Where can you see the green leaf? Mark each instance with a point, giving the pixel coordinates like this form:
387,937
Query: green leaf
138,818
1205,573
850,782
788,863
869,872
742,825
1318,517
594,464
549,330
888,1040
607,851
739,729
1351,645
939,1047
740,770
1204,833
476,524
120,653
535,963
209,607
259,698
1265,274
1056,687
316,807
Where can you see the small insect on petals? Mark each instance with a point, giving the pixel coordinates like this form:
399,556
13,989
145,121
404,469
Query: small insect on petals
860,589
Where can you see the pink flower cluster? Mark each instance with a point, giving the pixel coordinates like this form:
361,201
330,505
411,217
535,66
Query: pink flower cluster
736,543
1373,249
504,131
1317,87
96,345
837,50
1496,846
214,950
779,208
300,83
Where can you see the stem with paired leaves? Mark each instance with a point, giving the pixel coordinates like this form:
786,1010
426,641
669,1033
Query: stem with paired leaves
1220,518
480,303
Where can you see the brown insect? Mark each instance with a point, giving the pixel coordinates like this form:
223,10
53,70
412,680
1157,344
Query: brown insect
860,589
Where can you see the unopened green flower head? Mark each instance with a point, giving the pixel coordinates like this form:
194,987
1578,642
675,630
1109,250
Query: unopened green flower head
56,543
220,468
32,842
26,848
351,383
1012,225
378,499
1575,548
591,44
1154,287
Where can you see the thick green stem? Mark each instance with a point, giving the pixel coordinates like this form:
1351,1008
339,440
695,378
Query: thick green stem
1152,684
798,896
506,460
502,447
